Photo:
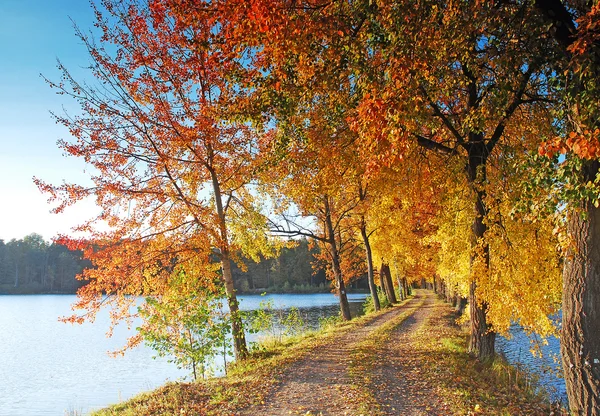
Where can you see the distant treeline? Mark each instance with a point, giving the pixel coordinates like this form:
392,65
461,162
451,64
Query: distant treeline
32,265
292,271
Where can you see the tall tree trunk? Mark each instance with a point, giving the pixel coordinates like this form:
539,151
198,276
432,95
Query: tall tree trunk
483,338
580,341
237,327
370,278
386,277
335,263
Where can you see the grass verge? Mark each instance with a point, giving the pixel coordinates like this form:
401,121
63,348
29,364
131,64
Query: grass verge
462,384
247,383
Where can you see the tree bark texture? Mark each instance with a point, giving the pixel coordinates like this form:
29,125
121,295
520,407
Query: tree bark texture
237,327
482,340
580,340
386,276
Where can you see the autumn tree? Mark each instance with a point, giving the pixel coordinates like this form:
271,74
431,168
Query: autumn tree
450,77
307,185
365,198
404,215
574,30
171,153
453,76
311,57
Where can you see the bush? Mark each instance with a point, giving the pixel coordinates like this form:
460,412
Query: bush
276,323
369,307
189,328
330,322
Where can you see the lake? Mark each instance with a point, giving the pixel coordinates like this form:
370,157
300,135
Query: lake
547,368
52,368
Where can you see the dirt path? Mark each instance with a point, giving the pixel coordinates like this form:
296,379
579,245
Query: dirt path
397,383
320,384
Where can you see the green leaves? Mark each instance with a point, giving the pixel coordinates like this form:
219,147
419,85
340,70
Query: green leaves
190,327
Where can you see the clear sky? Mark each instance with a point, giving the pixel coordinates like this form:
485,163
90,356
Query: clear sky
33,34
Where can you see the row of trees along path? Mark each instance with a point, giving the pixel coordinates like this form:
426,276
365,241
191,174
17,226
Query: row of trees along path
384,119
324,383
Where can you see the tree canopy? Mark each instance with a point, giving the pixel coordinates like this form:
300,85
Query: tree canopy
423,136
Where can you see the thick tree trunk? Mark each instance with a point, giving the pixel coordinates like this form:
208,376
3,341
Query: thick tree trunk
388,277
370,277
383,284
482,340
335,263
580,341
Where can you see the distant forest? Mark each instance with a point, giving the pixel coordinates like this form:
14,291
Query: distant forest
292,271
32,265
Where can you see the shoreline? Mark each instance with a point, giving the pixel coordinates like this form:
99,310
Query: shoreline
460,385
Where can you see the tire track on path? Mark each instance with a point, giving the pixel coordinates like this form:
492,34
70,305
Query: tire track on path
397,382
320,384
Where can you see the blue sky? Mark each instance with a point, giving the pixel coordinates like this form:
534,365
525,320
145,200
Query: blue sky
33,34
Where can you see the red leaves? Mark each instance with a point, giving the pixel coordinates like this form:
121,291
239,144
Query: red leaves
585,145
588,32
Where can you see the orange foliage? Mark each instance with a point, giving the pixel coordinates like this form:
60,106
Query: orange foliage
586,145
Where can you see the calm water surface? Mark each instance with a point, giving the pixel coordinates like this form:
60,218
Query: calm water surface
52,368
547,367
